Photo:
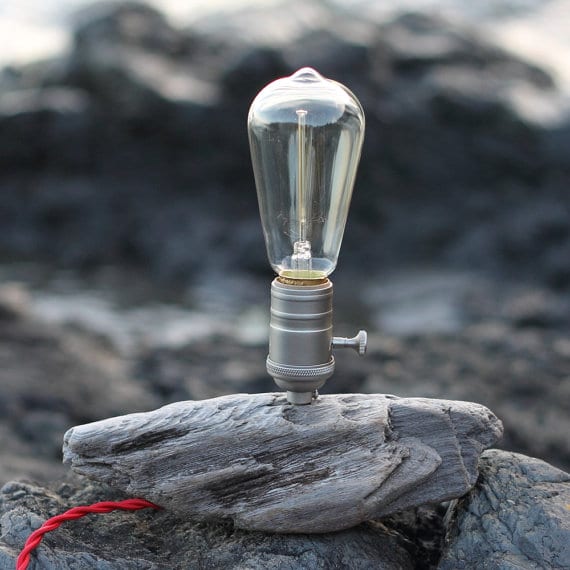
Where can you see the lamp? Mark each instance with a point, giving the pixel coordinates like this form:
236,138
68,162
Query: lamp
305,135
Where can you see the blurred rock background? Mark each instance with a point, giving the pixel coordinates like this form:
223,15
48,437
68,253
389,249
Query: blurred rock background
131,254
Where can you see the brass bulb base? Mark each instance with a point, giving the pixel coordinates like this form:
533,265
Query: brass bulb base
302,282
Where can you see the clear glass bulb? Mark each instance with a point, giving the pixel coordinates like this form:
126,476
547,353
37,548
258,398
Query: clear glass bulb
305,134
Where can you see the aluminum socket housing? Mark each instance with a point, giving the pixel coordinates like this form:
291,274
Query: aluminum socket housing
300,338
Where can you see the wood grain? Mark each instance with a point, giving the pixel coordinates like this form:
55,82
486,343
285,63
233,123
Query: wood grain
271,466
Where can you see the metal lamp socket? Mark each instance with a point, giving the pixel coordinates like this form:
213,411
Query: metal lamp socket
300,356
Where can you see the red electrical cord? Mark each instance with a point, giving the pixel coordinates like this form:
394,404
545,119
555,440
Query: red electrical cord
76,513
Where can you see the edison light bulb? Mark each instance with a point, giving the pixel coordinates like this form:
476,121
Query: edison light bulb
305,134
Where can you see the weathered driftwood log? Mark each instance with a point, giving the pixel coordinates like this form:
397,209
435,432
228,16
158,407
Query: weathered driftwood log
271,466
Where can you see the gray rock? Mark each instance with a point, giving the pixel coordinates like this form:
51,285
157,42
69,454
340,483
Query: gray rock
157,540
274,467
518,516
128,23
51,379
62,114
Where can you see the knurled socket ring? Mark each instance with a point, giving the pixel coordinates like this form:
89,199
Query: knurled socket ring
284,371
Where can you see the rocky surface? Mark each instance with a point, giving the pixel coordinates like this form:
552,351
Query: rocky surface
268,465
518,516
512,356
51,379
133,147
153,540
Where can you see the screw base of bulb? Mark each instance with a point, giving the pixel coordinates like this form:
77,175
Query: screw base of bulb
301,282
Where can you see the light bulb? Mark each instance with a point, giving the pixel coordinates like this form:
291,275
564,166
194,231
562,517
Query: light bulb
306,134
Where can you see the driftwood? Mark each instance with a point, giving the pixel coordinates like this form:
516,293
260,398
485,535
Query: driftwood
271,466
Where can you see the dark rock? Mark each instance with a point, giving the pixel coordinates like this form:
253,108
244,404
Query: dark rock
520,373
129,24
334,56
253,71
417,43
536,310
147,122
135,64
194,372
52,378
63,117
160,541
425,529
518,516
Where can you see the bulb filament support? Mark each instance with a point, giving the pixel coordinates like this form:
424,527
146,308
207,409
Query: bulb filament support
302,175
301,258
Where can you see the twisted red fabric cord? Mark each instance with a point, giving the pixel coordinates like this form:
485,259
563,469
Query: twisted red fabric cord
76,513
